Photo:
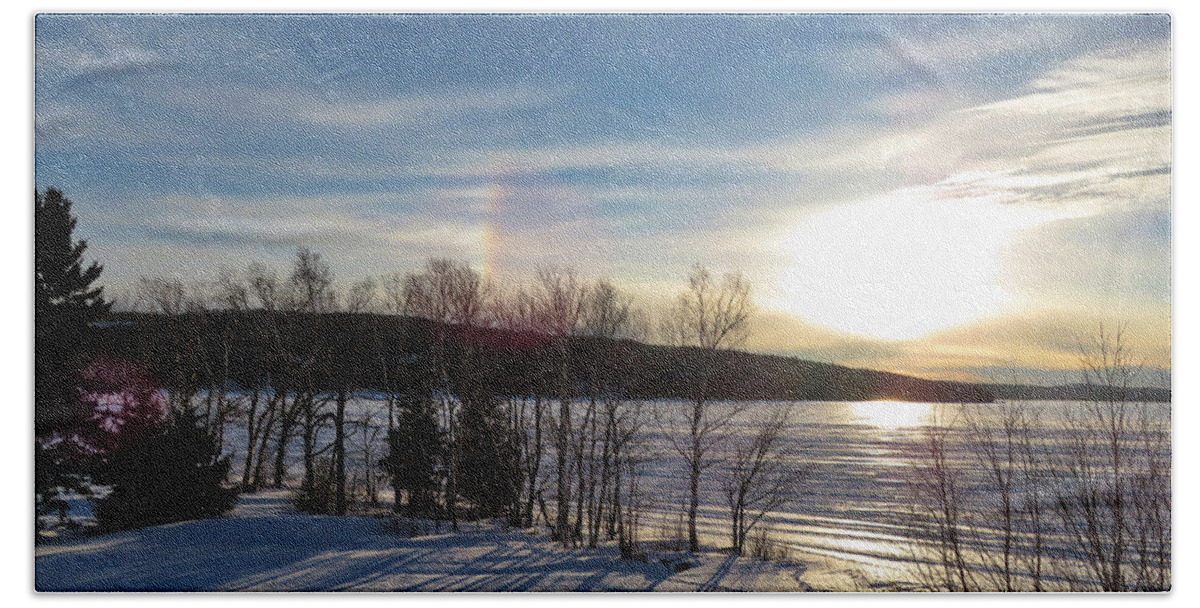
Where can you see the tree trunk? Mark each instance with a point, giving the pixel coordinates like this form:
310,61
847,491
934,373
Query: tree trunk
695,463
562,494
285,432
339,451
252,431
535,460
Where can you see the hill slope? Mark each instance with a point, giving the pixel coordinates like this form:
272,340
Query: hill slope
372,351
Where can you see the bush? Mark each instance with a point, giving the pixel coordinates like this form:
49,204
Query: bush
764,546
173,474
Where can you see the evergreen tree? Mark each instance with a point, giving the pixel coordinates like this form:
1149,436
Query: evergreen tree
175,474
416,453
61,280
66,299
489,462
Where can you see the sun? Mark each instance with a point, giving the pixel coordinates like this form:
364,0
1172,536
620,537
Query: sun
903,265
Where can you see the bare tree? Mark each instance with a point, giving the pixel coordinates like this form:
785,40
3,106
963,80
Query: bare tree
282,373
940,511
184,311
232,292
369,434
163,296
516,311
999,454
629,500
1034,481
1114,496
607,321
560,300
393,293
711,316
761,476
449,294
265,287
311,290
311,283
362,296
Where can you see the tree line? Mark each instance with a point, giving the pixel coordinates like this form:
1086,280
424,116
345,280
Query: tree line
516,403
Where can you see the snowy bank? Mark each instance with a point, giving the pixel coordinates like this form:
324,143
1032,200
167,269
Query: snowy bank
265,546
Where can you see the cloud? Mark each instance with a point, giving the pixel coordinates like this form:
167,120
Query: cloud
1109,111
1038,346
96,54
371,221
1117,261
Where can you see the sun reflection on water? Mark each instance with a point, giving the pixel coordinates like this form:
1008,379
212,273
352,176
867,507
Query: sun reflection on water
892,416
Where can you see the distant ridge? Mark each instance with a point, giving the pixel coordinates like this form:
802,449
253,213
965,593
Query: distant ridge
510,359
1073,392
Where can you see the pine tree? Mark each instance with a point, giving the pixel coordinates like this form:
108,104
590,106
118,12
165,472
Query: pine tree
489,464
416,454
175,474
66,299
61,280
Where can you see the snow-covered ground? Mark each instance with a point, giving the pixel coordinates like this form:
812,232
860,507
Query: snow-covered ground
264,545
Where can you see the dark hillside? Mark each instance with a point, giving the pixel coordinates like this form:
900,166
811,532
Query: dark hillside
381,352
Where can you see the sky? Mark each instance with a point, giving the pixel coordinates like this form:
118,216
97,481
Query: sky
952,196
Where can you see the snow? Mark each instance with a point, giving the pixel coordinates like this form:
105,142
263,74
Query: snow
264,545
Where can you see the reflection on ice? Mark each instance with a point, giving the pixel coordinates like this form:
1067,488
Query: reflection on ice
891,415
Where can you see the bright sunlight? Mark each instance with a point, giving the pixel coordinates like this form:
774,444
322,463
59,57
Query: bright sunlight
903,265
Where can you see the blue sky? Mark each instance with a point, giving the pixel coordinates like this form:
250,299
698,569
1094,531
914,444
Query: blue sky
938,194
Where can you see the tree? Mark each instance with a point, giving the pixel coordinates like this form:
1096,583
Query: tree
1113,497
516,312
416,456
60,279
761,477
450,294
560,302
66,299
362,296
173,474
711,316
609,320
311,283
311,293
939,511
124,403
489,470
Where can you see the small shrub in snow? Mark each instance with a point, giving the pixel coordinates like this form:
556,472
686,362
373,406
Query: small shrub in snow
763,545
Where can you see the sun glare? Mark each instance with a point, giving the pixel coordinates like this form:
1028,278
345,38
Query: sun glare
903,265
892,415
